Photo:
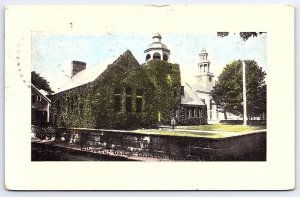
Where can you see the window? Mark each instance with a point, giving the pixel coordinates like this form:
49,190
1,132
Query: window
165,57
33,98
148,56
182,90
128,99
58,106
210,104
193,112
209,79
81,109
39,98
156,56
197,112
182,111
139,99
128,91
117,99
139,103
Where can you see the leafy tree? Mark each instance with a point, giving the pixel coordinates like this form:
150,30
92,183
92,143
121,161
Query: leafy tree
228,90
40,82
244,35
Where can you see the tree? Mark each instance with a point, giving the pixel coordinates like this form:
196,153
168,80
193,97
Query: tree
40,82
244,35
228,93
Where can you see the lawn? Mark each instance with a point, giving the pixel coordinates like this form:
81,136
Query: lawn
225,127
206,131
187,133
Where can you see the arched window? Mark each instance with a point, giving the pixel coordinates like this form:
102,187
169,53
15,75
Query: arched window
156,56
148,56
165,57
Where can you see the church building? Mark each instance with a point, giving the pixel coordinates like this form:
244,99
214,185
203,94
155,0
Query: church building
204,85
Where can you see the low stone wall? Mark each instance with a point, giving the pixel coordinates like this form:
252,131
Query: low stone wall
241,147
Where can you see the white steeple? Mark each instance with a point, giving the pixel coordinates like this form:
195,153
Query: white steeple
204,78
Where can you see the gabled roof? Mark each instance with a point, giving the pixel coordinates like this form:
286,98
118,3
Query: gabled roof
190,96
90,75
41,93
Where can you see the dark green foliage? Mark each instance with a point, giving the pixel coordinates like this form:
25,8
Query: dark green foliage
93,105
166,80
244,35
43,131
40,82
222,34
228,92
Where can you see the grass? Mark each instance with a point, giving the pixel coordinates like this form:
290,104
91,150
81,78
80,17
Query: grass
226,128
190,130
178,133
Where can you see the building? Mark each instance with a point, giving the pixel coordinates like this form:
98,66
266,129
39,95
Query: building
193,108
40,105
204,85
127,95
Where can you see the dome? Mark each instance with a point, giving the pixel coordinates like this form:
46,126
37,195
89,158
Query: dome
203,51
157,45
156,35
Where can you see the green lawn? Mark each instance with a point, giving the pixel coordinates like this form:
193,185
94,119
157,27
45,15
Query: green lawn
178,133
201,130
224,127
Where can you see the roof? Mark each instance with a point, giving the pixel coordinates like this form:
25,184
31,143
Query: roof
190,96
156,35
157,45
203,51
91,74
85,76
41,92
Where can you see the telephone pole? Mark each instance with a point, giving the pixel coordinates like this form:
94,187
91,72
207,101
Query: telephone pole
244,94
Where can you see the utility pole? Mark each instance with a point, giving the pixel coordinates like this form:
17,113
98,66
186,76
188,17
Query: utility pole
244,94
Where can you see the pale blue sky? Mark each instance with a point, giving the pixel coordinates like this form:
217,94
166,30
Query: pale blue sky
52,54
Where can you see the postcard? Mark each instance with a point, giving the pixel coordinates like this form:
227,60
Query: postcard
149,97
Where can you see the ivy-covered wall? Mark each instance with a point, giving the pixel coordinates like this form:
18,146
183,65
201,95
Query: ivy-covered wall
156,85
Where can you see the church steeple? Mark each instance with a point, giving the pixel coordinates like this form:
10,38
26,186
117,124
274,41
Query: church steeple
204,78
204,64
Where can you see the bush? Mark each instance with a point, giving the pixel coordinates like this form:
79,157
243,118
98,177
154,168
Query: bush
44,131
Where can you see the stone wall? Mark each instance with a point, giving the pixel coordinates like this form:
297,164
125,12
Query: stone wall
230,148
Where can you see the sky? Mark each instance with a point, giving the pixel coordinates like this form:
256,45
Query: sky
52,54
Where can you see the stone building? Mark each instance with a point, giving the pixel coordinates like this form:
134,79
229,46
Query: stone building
127,95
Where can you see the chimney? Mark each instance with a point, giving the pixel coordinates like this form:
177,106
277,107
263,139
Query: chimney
77,66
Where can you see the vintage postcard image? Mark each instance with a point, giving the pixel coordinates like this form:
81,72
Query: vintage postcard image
146,86
163,97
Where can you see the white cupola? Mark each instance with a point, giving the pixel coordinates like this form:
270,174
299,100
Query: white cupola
157,50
